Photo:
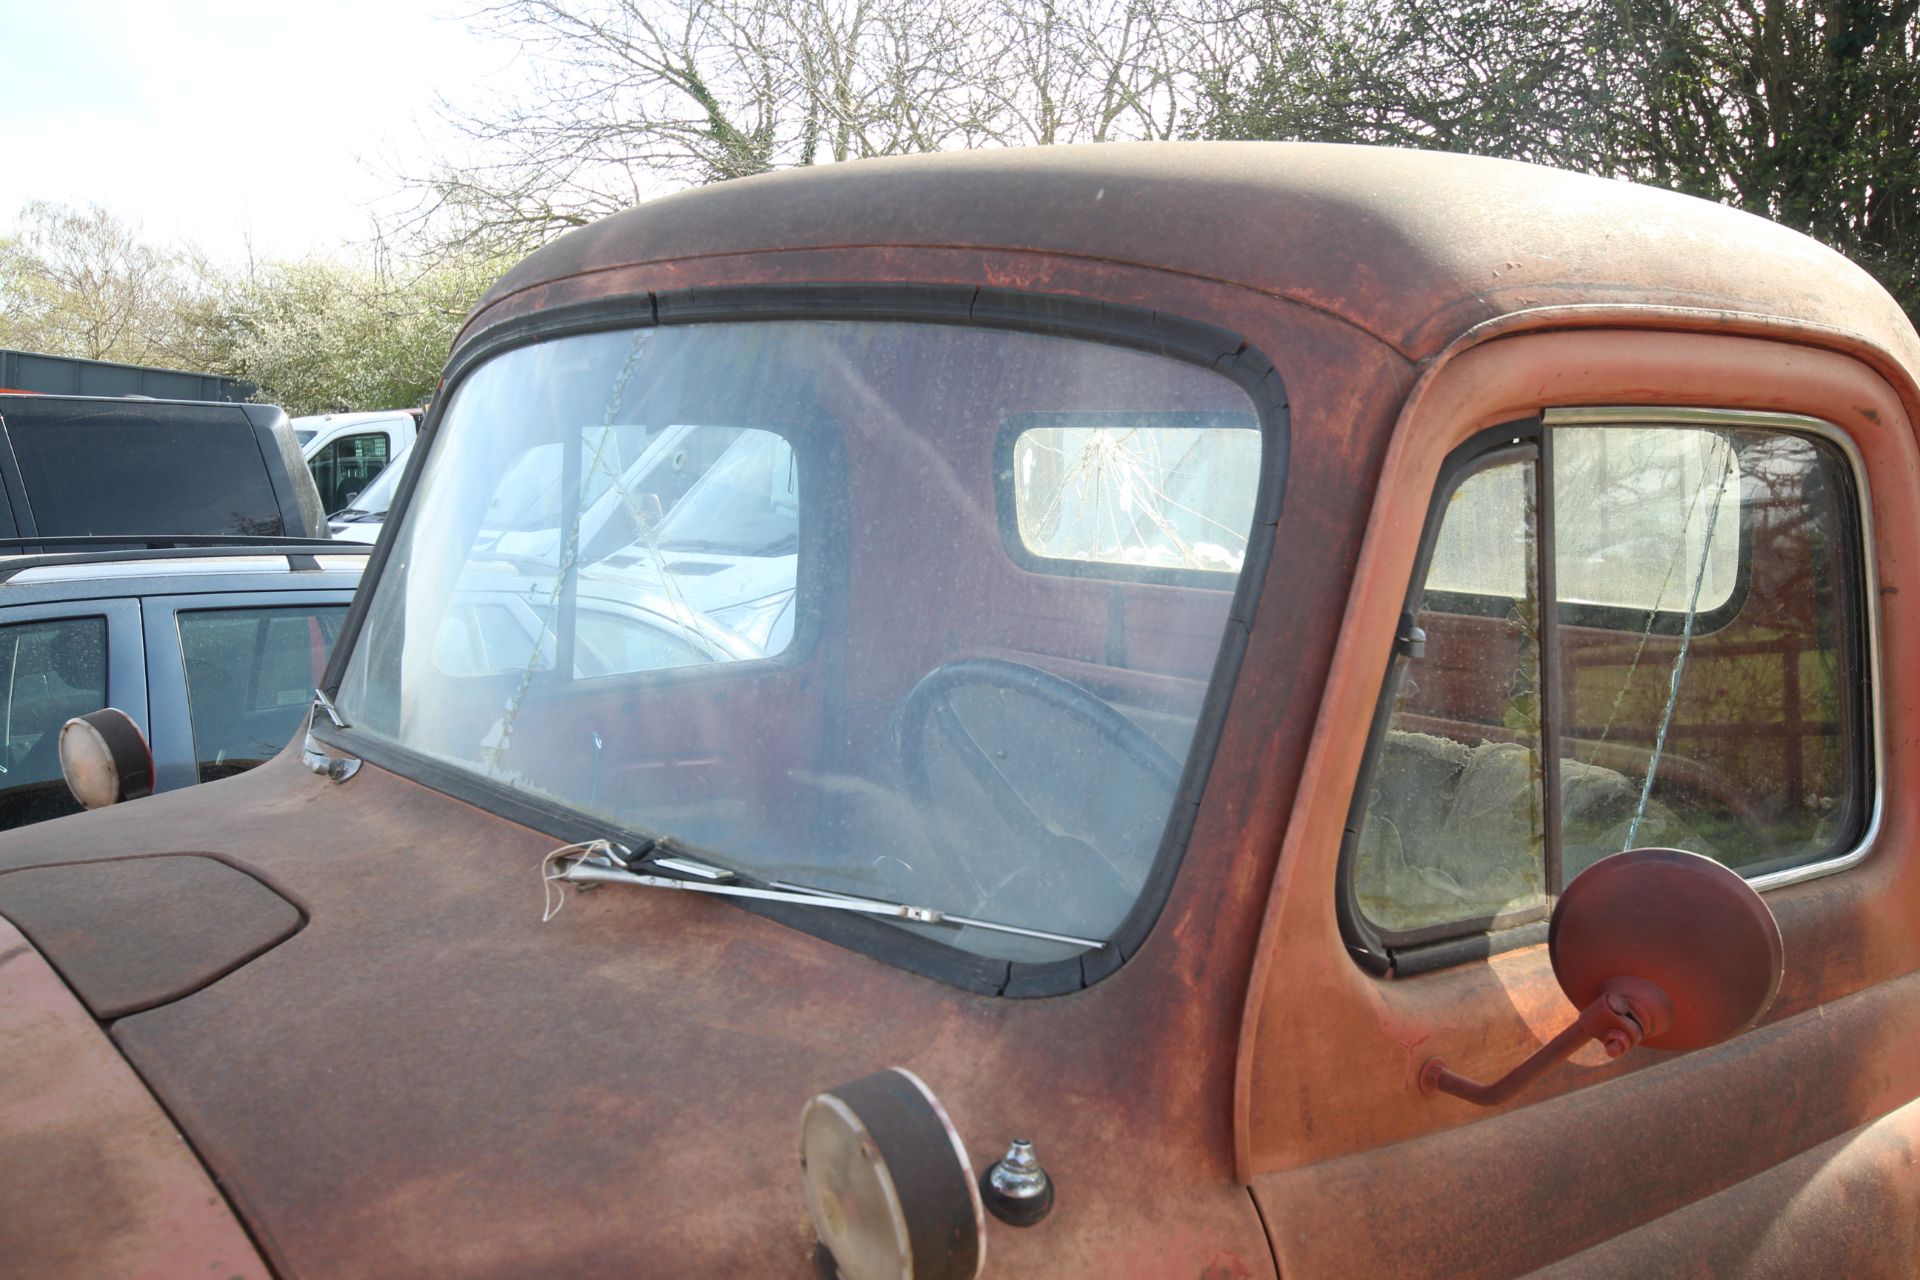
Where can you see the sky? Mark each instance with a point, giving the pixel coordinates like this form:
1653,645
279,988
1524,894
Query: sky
243,126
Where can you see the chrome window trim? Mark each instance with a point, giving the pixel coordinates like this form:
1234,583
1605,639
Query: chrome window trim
1797,424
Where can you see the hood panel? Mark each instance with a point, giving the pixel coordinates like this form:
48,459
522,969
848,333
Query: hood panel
428,1080
132,933
94,1182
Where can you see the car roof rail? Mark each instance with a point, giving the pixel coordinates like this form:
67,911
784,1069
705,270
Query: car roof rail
300,553
157,541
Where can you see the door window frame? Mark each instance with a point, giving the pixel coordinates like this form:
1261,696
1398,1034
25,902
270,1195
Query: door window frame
1439,946
175,761
126,659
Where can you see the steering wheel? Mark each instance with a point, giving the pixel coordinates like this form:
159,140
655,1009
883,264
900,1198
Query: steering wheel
1084,824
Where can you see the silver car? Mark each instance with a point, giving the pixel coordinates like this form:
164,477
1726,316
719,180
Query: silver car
213,651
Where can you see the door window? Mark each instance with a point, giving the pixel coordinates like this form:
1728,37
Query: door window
1698,675
250,677
348,465
53,671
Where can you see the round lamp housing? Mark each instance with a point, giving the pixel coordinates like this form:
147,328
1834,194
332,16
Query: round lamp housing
105,758
888,1183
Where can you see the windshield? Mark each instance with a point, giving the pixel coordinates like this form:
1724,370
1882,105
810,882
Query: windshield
377,497
911,611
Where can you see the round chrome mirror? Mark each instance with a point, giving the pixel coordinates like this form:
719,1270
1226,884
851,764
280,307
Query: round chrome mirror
105,758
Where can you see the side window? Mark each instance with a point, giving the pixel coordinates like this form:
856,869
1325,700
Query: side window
1455,826
53,671
146,467
1628,636
250,676
348,465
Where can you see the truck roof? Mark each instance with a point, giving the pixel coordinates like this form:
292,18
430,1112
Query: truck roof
1413,247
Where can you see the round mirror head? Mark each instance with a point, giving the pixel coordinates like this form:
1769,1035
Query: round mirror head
105,759
1682,922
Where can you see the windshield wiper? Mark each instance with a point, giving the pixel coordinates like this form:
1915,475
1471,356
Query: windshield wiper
674,872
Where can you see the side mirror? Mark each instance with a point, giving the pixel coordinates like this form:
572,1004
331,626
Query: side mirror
1653,946
105,758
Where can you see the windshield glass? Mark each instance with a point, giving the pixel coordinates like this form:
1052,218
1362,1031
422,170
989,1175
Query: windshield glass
912,611
378,496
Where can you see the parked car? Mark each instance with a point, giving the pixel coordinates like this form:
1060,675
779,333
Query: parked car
1253,608
214,651
347,451
78,466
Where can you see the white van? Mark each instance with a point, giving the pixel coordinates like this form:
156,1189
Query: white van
345,451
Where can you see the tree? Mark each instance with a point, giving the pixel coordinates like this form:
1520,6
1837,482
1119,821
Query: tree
1803,111
629,98
325,335
1499,77
84,283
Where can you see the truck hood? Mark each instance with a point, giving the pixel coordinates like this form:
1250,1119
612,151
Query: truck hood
347,1001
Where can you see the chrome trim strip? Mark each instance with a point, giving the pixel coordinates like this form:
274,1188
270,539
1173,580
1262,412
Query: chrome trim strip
1797,424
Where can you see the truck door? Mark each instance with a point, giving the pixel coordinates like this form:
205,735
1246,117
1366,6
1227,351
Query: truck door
1605,625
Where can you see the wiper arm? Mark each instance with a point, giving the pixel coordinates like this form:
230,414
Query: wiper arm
695,877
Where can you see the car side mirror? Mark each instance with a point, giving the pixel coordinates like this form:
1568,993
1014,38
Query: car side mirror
1653,946
105,758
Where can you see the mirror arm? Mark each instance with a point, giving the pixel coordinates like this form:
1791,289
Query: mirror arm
1627,1011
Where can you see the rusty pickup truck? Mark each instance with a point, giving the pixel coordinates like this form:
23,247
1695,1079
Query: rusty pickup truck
1195,710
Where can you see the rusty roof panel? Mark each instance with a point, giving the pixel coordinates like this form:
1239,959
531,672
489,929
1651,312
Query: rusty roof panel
1414,247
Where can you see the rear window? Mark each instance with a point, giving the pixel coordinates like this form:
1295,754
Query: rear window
91,468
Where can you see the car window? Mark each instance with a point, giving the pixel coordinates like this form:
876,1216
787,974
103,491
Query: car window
377,497
345,467
53,671
1109,492
250,677
823,660
143,468
1695,685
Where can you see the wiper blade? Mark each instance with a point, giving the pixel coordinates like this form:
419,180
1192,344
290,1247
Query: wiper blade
698,878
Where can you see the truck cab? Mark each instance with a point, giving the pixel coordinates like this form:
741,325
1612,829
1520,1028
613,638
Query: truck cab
1329,712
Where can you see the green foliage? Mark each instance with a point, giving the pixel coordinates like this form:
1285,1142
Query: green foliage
314,335
1803,111
319,336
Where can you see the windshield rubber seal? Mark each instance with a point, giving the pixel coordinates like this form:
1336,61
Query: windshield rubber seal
1136,328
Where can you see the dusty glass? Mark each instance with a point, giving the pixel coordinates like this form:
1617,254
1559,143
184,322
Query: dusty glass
1455,820
250,678
751,589
1709,642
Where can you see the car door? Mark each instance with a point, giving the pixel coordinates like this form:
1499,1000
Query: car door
60,660
233,676
1619,590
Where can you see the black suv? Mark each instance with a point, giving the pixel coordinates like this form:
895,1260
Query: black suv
82,466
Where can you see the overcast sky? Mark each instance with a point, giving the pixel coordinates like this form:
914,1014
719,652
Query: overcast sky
220,120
